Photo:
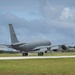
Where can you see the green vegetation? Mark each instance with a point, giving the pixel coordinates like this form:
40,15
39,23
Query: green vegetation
35,54
60,54
63,66
9,54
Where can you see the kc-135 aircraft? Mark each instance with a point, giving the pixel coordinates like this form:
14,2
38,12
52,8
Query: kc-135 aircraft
25,48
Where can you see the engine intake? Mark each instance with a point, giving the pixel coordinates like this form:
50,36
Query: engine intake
63,47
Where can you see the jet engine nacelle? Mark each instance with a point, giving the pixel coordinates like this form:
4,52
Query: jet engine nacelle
63,47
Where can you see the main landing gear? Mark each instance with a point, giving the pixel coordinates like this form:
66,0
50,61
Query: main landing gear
24,54
40,54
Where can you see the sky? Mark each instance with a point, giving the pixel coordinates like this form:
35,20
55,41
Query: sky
38,20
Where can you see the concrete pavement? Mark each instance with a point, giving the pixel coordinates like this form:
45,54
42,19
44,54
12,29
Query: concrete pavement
34,57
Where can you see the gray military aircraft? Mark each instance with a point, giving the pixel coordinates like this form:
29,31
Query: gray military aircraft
25,48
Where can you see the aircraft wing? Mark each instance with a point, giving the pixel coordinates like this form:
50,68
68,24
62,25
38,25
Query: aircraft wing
39,50
42,48
9,46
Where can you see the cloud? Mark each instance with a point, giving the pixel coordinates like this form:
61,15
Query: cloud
17,5
38,19
66,14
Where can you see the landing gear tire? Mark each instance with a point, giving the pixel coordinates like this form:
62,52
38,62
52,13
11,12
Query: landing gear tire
45,51
24,54
40,54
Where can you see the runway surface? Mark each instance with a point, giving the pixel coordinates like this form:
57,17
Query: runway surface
34,57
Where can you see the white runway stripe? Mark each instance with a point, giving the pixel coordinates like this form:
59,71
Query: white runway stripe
34,57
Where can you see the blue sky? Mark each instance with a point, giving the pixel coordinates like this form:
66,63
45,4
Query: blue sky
38,19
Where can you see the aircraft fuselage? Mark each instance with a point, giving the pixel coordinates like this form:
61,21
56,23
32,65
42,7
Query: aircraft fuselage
27,47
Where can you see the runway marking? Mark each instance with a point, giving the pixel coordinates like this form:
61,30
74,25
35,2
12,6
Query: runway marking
34,57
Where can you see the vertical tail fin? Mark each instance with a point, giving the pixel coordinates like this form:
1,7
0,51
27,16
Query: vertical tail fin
12,34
